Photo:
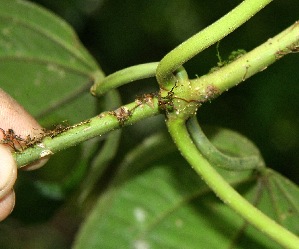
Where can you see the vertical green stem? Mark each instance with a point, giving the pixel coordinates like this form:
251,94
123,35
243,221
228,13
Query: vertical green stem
224,191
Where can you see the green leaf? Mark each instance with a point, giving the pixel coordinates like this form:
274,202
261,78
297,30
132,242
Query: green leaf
44,66
166,205
283,198
42,62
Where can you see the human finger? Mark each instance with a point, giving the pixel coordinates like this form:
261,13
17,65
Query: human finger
8,171
7,204
14,116
8,176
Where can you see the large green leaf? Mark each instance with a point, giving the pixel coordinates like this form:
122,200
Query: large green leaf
44,66
42,62
166,205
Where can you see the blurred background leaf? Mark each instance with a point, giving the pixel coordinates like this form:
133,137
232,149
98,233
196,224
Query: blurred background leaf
166,205
42,61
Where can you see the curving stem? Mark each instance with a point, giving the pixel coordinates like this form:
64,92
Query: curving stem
205,38
224,191
220,159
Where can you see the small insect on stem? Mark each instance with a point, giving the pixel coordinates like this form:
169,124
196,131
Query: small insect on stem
166,102
14,141
122,114
147,99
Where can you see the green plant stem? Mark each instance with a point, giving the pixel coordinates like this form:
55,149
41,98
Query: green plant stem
223,79
251,63
83,131
122,77
223,190
218,158
205,38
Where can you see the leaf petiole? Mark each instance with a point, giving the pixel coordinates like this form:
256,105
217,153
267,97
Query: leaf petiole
224,191
220,159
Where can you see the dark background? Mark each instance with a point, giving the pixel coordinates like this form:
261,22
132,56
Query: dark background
265,108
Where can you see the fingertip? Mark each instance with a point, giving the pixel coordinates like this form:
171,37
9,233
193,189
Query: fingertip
14,116
7,204
8,171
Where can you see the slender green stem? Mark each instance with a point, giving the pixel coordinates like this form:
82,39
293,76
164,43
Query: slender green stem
205,38
103,123
218,158
97,126
123,76
142,155
251,63
224,191
99,164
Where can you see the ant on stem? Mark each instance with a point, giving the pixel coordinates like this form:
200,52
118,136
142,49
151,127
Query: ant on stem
13,140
